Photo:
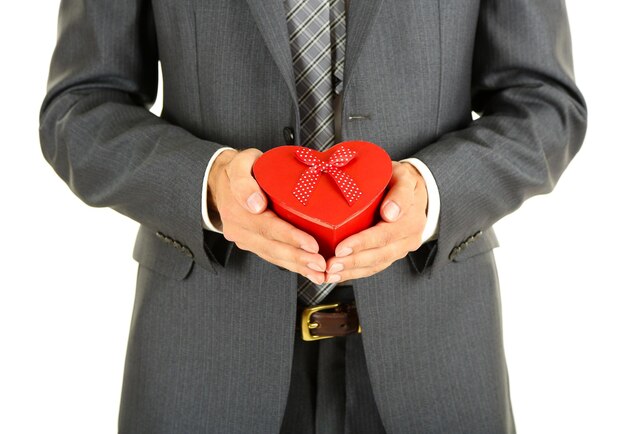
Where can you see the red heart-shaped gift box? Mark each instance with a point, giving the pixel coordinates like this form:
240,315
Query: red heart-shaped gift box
312,190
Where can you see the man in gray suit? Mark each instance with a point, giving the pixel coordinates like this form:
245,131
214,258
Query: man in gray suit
213,345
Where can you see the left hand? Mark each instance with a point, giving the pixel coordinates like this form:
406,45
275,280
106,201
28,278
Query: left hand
403,213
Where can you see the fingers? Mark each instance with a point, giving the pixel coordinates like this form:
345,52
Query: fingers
401,194
248,194
374,249
273,228
248,223
274,240
243,185
403,211
379,235
262,232
367,262
310,265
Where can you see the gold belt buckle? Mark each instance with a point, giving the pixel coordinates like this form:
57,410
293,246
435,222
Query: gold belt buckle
306,325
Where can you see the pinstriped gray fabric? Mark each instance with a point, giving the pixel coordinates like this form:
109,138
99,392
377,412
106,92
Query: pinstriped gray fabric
472,295
179,377
362,415
330,391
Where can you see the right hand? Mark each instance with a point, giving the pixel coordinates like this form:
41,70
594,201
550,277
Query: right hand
242,208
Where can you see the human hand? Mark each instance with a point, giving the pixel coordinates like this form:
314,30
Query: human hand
236,197
404,216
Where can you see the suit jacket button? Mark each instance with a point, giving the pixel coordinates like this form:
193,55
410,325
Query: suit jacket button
288,135
455,251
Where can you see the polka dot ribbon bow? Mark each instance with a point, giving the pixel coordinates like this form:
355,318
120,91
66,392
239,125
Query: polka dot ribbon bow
308,180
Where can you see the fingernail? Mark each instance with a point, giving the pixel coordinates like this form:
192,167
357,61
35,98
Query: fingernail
336,267
308,249
332,278
392,210
316,267
344,252
314,280
255,202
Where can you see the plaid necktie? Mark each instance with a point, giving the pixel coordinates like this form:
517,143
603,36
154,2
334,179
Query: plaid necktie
317,38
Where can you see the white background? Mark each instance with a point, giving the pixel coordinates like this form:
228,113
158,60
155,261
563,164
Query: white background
67,286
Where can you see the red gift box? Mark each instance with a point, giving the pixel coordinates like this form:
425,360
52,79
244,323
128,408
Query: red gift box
329,195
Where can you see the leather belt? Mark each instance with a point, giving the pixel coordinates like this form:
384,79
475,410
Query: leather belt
327,321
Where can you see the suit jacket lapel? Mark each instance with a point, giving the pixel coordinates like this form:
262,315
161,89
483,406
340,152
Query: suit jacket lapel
361,17
271,20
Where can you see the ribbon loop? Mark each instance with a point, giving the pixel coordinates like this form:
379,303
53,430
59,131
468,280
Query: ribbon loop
310,177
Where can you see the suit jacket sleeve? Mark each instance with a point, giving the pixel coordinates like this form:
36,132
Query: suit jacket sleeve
533,120
97,132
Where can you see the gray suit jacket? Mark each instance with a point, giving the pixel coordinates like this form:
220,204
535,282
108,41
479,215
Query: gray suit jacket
213,326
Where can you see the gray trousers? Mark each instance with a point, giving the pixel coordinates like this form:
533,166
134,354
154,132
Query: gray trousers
330,390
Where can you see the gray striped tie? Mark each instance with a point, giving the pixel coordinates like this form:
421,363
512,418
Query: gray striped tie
317,38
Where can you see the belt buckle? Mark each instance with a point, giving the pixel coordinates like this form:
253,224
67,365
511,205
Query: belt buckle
306,325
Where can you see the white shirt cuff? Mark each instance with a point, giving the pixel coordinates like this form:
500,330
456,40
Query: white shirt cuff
431,230
206,221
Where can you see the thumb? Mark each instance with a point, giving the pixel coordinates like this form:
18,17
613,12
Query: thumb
243,185
401,192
